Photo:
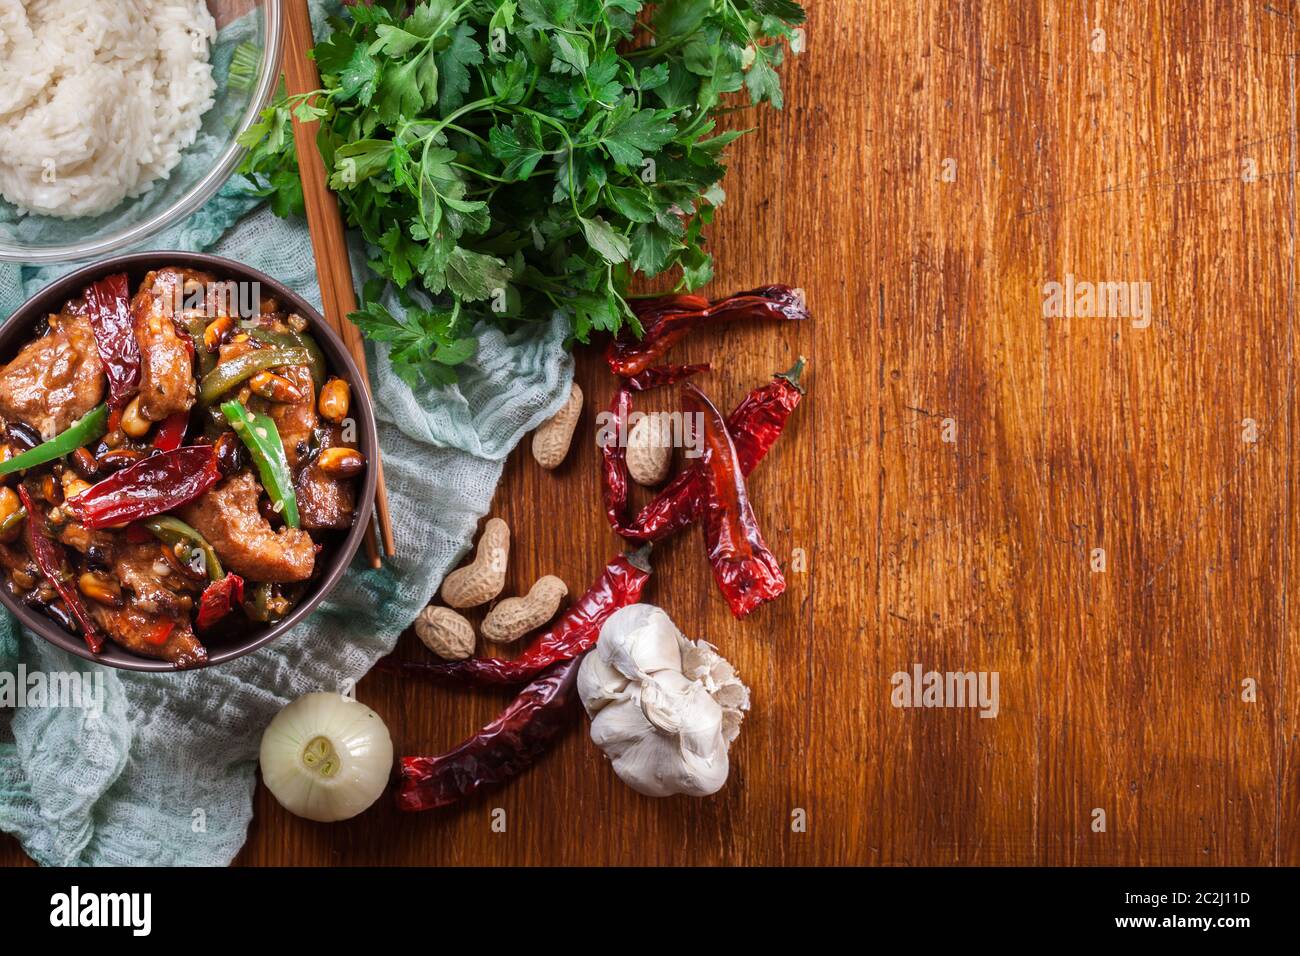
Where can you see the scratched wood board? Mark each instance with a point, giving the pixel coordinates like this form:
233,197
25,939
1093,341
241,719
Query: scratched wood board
1098,510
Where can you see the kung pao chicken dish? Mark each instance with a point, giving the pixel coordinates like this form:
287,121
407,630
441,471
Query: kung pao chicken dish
170,471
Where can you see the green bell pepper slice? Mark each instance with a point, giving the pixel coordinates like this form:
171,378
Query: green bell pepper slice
259,434
229,374
259,608
172,531
195,326
13,521
84,430
293,340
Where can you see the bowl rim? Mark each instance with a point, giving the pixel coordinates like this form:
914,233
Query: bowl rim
63,288
200,192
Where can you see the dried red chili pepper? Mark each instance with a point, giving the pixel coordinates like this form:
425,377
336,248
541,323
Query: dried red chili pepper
754,425
573,634
171,432
746,570
49,557
613,456
675,508
503,749
666,320
218,599
108,309
149,487
662,375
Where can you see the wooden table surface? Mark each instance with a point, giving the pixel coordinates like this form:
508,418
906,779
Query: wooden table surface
1100,512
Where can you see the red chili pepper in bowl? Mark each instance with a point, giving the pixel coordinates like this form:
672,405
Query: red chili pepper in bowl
503,749
218,599
573,634
666,320
160,632
149,487
49,557
171,432
747,572
754,426
109,311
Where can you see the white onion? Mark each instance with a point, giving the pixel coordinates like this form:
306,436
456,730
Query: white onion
326,757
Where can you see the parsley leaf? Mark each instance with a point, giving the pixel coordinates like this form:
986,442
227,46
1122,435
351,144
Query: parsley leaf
359,77
505,159
611,246
453,66
631,133
474,276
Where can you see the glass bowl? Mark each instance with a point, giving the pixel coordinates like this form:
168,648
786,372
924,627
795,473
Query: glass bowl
204,167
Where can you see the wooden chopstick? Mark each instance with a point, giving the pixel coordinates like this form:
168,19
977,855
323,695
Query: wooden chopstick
328,239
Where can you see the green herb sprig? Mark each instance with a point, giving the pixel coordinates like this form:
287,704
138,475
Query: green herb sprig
506,158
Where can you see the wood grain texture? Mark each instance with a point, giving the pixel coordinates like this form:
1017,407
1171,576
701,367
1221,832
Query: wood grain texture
1120,689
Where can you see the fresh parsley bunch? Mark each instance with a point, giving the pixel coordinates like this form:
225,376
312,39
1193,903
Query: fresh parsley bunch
513,157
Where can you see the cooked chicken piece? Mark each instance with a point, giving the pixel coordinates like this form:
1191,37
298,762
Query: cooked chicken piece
98,544
166,371
227,515
151,584
14,559
220,298
139,631
295,421
54,380
325,502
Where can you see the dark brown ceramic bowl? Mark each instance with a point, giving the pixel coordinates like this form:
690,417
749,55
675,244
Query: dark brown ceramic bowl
17,332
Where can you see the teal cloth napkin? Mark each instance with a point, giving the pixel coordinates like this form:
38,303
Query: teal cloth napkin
163,773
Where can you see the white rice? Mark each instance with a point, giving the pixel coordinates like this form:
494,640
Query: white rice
98,98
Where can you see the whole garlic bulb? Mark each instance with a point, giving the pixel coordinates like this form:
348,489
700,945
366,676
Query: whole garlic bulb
663,708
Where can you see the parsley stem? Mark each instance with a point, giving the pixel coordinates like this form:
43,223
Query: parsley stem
445,20
481,174
532,84
485,103
748,31
573,200
662,49
467,132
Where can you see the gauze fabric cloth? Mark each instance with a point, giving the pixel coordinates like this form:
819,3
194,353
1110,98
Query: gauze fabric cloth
163,772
